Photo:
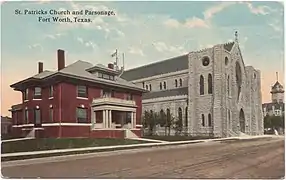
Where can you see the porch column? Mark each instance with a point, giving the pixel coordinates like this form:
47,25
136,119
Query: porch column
134,120
103,118
131,119
110,118
92,118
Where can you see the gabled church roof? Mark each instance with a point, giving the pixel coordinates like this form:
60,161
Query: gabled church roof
162,67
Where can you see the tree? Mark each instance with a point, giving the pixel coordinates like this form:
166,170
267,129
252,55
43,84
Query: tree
274,122
150,120
178,125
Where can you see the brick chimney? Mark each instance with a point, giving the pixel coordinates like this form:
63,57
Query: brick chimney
110,66
40,67
61,59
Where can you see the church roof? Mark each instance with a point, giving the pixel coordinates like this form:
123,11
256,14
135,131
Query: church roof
162,67
166,93
277,88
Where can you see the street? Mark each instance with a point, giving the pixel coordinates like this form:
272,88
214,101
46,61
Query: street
248,159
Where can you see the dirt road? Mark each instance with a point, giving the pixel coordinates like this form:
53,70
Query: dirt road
256,158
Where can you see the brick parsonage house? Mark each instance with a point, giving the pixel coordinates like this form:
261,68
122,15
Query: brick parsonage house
78,100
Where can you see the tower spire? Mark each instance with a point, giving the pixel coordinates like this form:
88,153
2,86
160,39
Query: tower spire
277,76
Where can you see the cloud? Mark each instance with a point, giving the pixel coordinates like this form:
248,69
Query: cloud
210,12
276,25
87,43
55,36
34,46
137,51
262,10
163,47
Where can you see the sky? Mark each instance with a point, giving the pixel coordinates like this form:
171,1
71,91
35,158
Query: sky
145,32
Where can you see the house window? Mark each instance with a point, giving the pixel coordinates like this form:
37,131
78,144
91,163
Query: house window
201,85
81,91
129,97
203,120
51,115
81,114
37,115
26,116
210,120
38,93
176,83
107,93
165,86
51,92
210,84
181,82
25,93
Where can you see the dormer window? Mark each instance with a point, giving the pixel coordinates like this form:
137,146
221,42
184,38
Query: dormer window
105,76
38,93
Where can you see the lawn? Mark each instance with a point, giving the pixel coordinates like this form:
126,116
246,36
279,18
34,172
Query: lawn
63,143
177,138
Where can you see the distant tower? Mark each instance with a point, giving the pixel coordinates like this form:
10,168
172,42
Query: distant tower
277,91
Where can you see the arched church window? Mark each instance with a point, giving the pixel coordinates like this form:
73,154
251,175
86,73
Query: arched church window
203,120
210,84
176,83
226,61
160,86
181,83
201,85
165,86
210,120
147,86
150,87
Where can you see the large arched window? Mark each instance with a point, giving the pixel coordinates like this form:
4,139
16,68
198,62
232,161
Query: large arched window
203,120
165,86
176,83
181,83
210,84
150,87
160,86
201,85
210,120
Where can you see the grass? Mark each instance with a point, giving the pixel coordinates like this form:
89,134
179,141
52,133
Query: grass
177,138
63,143
78,152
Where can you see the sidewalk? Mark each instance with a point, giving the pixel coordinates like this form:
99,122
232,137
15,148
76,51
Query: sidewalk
118,147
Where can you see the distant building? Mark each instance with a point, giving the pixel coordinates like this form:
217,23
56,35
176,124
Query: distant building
276,107
6,125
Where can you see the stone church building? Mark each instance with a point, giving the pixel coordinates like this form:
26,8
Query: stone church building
211,91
